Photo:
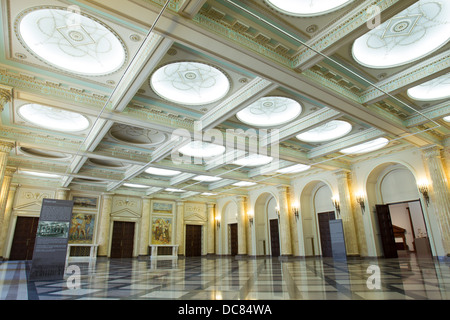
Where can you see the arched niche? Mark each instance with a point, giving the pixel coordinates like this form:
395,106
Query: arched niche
228,218
315,198
264,211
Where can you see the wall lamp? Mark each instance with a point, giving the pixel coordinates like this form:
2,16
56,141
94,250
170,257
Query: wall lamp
218,222
360,200
423,189
336,204
277,210
295,209
250,217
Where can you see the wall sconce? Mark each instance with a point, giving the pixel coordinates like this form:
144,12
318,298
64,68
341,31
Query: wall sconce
336,205
295,210
360,200
250,217
423,189
218,222
277,210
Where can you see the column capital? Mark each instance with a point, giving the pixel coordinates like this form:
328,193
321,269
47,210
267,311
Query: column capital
10,171
5,97
241,198
210,204
341,173
108,195
6,146
432,151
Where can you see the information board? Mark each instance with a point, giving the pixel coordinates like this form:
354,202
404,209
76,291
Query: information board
49,256
337,239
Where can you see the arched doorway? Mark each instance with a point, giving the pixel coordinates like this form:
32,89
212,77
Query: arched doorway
229,222
316,210
399,221
267,238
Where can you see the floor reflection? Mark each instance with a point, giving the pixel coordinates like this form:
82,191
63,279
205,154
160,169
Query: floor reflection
230,279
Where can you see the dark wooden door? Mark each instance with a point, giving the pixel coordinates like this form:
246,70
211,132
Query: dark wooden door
324,230
193,241
274,238
122,239
233,239
24,237
386,231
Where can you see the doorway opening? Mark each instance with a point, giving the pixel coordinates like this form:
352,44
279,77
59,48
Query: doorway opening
122,239
24,237
403,230
193,240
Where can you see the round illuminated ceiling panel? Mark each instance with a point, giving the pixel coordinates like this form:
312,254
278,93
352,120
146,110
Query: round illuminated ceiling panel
71,42
366,147
162,172
412,34
53,155
202,178
329,131
435,89
190,83
304,8
253,160
270,111
52,118
202,149
135,135
294,169
447,119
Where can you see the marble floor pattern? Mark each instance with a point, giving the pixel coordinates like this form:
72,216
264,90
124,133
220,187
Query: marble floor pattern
226,278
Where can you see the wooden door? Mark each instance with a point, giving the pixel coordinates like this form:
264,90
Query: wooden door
386,231
233,239
274,238
24,238
193,240
324,230
122,239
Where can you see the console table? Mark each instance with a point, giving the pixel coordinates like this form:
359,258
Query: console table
163,251
81,252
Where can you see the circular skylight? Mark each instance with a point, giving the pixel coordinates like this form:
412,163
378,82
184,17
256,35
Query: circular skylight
135,185
71,42
294,169
174,190
52,118
253,160
54,155
40,174
329,131
412,34
190,83
270,111
136,135
435,89
244,184
162,172
200,149
307,7
206,178
367,146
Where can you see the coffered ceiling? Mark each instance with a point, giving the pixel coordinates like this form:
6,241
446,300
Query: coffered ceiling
105,92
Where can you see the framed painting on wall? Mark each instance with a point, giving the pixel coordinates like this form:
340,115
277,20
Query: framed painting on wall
162,207
82,228
161,230
82,202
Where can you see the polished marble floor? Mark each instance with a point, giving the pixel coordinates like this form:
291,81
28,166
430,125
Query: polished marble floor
225,278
